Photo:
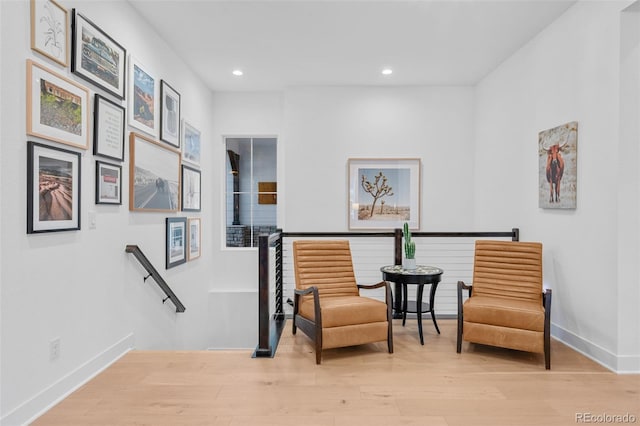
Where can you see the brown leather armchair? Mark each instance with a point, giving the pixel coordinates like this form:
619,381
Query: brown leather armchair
506,305
327,304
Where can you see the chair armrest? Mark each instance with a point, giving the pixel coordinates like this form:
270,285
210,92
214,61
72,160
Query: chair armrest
305,291
309,290
462,286
372,286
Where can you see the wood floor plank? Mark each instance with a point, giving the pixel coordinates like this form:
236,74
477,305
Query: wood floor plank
363,385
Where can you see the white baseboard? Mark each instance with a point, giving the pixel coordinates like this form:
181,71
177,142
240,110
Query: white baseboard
616,363
33,408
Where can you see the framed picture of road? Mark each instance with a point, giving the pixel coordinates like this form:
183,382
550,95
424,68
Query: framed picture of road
53,189
154,175
170,117
143,98
97,57
557,167
49,30
176,241
57,108
384,193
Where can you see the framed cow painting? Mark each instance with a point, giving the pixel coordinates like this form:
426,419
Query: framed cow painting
557,163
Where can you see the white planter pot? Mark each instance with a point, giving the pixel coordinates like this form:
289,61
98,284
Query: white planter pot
409,264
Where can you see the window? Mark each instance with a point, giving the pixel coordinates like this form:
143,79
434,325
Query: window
251,190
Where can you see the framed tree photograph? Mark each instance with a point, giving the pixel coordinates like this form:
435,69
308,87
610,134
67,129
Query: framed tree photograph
176,241
384,193
190,189
108,183
57,108
97,57
53,189
143,98
154,175
190,143
194,238
49,30
108,128
170,116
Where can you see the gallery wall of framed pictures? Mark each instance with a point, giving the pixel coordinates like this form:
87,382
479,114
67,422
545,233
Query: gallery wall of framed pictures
84,87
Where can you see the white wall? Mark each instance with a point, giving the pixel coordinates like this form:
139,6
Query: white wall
81,286
570,71
324,127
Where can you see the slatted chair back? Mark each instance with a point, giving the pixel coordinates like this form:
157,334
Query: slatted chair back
326,265
508,269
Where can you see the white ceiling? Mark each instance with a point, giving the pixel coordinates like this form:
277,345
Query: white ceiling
300,42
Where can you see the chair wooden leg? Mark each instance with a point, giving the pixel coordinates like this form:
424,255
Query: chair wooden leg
459,343
547,328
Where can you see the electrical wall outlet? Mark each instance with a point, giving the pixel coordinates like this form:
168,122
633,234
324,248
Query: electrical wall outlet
54,349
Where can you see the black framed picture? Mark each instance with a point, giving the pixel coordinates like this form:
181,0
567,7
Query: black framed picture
170,115
108,128
53,189
108,183
176,242
96,57
190,189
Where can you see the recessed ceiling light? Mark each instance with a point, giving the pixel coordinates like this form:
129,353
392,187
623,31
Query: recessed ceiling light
237,73
387,71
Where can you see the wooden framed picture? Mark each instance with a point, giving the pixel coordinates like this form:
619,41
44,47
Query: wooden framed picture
176,241
108,128
57,108
190,143
97,57
108,183
384,193
170,116
53,189
154,175
194,238
143,98
49,30
190,189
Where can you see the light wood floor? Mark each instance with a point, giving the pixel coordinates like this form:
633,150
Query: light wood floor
417,385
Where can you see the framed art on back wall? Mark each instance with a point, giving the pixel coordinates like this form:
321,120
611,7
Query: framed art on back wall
384,193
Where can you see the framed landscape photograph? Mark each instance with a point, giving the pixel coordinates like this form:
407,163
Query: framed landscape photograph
53,189
154,175
190,189
108,128
384,193
176,249
170,117
57,108
97,57
108,183
195,238
190,143
49,30
143,98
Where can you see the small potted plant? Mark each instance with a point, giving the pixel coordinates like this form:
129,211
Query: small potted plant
409,261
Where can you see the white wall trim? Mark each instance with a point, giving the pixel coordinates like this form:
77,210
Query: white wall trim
619,364
33,408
